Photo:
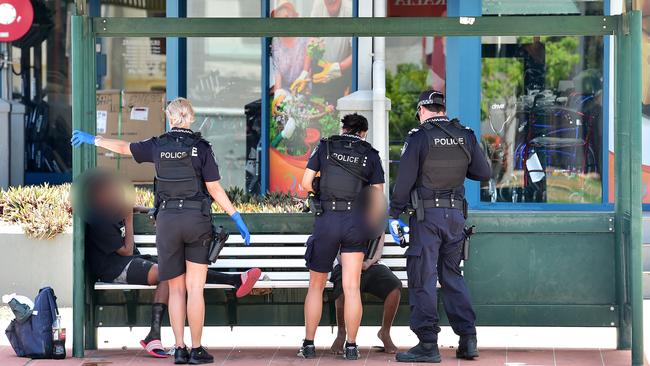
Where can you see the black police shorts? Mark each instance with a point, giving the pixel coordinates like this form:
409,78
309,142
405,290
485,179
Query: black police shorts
136,272
378,280
181,235
335,231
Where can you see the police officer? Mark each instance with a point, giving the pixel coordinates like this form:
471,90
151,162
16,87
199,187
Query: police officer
436,159
346,164
187,179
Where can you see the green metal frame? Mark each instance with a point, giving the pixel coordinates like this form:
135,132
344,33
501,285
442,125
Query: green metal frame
623,238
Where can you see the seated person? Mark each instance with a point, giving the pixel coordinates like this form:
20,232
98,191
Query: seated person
111,255
376,279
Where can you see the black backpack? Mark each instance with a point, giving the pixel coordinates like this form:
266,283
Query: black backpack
33,336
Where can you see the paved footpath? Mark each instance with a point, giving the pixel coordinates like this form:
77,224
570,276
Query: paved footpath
287,356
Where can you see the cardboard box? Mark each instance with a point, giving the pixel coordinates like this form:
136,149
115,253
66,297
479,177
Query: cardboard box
129,116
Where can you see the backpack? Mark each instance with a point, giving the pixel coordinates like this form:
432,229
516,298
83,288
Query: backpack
33,336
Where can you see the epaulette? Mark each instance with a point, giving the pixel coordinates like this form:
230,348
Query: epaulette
457,124
414,130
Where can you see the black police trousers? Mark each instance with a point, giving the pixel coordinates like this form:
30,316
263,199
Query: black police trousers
434,254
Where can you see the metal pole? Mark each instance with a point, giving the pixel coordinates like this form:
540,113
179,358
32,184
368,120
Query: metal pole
635,141
83,117
622,78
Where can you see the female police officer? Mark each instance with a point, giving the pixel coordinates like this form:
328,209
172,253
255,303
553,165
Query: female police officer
187,177
346,164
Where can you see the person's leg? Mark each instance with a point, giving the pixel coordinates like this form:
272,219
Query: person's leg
351,262
337,346
243,282
391,304
314,303
159,306
220,278
195,284
381,282
177,308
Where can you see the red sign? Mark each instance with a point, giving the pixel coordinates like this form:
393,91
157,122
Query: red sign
416,8
16,17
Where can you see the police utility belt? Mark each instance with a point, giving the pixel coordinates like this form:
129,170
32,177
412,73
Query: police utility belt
337,205
417,204
183,204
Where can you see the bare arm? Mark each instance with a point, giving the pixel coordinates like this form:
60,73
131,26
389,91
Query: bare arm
114,145
346,63
308,179
129,243
219,195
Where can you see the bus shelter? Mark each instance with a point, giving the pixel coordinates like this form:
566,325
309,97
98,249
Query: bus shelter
562,269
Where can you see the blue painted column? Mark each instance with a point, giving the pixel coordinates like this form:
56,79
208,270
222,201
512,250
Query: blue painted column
463,79
176,54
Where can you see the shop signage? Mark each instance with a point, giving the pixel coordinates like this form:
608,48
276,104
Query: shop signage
16,17
416,8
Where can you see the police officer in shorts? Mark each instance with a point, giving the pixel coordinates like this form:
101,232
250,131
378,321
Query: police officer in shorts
436,159
346,164
187,179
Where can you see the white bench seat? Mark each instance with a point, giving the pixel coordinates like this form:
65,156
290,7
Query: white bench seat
279,256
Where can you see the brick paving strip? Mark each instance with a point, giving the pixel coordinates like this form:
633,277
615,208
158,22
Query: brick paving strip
285,356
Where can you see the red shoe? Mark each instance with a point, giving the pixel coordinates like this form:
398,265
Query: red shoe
248,280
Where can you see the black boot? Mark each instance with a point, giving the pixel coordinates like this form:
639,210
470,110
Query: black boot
467,347
423,352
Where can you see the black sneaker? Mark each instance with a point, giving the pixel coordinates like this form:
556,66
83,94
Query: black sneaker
307,351
181,356
351,353
467,348
423,352
199,356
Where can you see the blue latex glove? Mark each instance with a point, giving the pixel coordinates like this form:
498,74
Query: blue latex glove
397,229
80,137
243,230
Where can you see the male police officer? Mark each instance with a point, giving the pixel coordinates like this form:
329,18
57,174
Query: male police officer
436,159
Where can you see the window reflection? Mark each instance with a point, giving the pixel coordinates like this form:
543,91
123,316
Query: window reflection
224,83
541,119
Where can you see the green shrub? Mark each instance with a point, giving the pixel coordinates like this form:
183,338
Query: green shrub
42,211
45,211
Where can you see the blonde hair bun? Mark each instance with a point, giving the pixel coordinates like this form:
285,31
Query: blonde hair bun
180,112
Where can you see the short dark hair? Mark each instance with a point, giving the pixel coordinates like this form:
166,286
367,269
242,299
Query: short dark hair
435,108
354,123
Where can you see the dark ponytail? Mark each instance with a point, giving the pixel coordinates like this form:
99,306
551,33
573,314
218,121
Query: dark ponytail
354,124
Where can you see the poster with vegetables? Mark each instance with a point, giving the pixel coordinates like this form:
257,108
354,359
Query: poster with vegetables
309,76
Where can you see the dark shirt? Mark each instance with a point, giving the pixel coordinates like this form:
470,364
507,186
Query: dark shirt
203,161
414,152
104,236
374,172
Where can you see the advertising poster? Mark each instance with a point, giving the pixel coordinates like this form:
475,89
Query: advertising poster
308,76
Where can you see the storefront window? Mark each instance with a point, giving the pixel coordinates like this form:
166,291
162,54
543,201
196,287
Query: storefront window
308,76
413,64
224,84
541,119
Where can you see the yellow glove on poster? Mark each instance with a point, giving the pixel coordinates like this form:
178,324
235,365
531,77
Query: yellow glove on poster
300,83
330,72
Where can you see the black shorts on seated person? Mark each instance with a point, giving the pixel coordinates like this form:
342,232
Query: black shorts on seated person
136,272
378,280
